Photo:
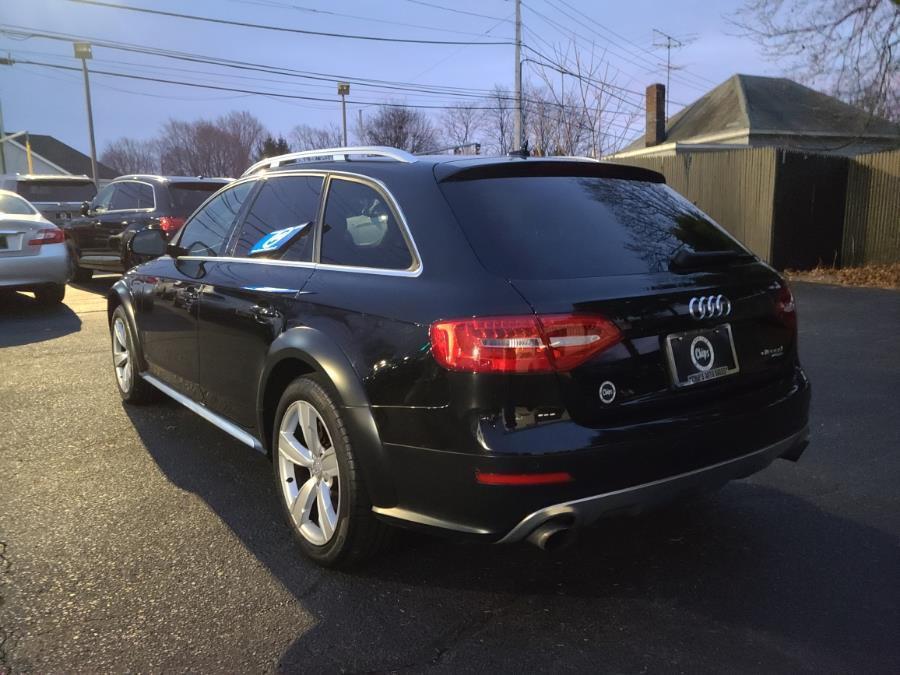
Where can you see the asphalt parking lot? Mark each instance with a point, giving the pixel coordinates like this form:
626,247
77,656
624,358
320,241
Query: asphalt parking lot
146,539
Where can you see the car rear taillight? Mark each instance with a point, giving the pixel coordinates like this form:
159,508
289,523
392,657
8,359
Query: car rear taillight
785,308
49,235
170,224
521,344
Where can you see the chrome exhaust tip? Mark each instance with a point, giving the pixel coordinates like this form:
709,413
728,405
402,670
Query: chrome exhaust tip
552,536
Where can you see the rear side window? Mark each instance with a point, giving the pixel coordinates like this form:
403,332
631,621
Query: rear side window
360,229
185,198
132,195
15,206
209,228
285,205
569,227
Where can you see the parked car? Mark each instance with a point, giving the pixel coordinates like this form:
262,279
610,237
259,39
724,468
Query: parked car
127,205
493,348
33,254
58,198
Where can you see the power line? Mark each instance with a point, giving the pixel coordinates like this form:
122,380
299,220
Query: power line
240,90
327,12
623,38
281,29
457,11
239,65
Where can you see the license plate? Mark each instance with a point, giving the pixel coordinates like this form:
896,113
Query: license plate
701,355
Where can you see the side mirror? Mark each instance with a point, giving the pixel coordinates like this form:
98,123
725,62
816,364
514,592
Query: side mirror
149,243
85,208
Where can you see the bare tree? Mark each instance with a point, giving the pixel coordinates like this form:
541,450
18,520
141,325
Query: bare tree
498,120
131,155
461,124
399,127
221,147
848,47
306,137
246,132
591,114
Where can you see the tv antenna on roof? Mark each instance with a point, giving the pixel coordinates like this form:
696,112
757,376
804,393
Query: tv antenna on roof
668,42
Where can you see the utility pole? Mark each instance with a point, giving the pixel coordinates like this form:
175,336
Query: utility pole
343,90
517,126
2,146
83,52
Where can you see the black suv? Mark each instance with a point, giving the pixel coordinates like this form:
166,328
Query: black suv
496,348
98,240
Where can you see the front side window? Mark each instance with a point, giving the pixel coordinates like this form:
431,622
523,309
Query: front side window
132,195
104,197
360,229
279,224
207,231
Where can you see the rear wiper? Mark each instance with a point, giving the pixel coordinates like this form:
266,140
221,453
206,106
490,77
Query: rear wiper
691,260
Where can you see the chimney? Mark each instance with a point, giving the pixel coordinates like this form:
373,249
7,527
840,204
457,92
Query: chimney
656,115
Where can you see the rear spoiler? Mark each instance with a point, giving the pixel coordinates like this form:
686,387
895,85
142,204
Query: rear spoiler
448,172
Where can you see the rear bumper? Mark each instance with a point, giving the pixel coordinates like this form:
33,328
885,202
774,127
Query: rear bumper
49,266
629,469
581,512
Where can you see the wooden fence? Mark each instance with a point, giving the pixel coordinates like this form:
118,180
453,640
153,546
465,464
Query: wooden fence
872,220
795,209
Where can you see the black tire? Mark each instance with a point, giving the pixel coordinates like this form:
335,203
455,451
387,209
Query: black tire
52,294
358,535
133,389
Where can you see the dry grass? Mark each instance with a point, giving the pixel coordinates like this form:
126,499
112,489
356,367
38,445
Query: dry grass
877,276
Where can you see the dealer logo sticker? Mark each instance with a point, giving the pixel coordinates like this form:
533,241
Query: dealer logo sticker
702,354
607,392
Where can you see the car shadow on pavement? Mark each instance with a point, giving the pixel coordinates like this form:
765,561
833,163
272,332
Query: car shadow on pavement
751,577
23,320
97,284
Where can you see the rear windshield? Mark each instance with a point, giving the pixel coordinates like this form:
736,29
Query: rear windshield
53,191
16,206
186,197
570,227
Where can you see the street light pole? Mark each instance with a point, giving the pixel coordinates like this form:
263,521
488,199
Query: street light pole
343,90
83,52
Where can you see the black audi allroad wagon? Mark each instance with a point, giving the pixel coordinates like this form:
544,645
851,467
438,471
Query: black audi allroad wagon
495,348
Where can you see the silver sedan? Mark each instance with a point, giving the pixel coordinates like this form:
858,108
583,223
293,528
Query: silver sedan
33,252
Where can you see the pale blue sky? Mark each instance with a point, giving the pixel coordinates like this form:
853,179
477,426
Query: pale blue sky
49,101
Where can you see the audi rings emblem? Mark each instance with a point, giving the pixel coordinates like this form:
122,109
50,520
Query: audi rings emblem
709,307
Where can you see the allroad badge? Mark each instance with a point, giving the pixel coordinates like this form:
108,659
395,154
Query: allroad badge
607,392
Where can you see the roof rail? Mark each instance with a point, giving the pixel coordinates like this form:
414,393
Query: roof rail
334,154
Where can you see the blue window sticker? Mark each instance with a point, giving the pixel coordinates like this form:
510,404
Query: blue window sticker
277,240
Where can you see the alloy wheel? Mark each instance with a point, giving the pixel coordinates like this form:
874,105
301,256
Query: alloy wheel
309,473
121,357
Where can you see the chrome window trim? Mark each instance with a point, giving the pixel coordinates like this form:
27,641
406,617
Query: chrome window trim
413,270
379,186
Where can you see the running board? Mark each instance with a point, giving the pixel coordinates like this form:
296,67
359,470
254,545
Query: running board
216,420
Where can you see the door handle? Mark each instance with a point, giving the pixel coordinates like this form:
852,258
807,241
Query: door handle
264,313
